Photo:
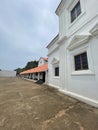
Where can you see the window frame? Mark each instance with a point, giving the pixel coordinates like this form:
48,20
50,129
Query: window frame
56,71
79,50
55,64
70,7
81,64
75,10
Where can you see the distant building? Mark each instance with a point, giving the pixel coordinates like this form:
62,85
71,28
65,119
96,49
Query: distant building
38,73
7,73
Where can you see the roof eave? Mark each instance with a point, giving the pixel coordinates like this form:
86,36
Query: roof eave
59,7
53,41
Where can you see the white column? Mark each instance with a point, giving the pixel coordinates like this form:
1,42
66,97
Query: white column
30,76
34,76
38,76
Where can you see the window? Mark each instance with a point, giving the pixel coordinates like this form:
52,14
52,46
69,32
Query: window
81,62
56,71
76,11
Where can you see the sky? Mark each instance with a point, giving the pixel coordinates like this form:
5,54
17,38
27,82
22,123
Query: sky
26,28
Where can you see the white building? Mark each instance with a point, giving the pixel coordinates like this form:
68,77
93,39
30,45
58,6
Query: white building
39,73
72,54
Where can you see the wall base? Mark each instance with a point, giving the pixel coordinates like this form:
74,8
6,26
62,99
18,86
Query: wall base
54,86
81,98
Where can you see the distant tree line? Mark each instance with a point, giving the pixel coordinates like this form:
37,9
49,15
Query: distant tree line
29,65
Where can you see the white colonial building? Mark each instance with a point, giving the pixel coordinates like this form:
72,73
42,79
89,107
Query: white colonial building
72,54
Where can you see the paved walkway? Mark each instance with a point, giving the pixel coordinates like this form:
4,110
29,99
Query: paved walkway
25,105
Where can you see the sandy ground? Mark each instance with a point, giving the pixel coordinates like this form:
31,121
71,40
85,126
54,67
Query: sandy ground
25,105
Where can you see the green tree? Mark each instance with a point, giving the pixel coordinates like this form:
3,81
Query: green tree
29,65
18,71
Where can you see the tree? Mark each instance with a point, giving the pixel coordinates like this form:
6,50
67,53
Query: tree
18,71
0,70
29,65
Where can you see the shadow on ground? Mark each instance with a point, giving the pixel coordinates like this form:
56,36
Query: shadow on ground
40,82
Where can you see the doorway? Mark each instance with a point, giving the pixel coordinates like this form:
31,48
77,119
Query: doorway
44,75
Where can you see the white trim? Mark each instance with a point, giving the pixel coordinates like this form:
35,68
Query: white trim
83,72
71,24
60,7
53,41
56,77
54,86
83,25
56,48
62,40
79,50
71,6
55,66
78,40
81,98
89,101
94,30
55,61
59,42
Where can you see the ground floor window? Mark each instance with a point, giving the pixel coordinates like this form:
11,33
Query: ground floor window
56,71
81,61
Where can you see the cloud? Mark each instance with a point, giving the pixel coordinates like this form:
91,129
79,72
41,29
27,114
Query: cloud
26,27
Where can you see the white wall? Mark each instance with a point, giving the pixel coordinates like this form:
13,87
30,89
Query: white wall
42,62
52,80
66,27
85,86
7,73
82,86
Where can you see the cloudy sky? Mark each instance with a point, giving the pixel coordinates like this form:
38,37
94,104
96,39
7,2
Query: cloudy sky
26,27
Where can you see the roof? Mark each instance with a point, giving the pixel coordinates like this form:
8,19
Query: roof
46,59
53,41
41,68
60,7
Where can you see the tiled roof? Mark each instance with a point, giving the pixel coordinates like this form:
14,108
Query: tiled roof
41,68
46,59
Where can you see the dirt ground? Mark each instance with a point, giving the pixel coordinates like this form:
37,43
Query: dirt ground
25,105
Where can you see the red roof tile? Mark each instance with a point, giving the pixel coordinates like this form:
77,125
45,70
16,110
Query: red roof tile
41,68
46,59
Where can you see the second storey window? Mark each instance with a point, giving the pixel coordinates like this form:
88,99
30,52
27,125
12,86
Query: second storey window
76,11
56,71
81,62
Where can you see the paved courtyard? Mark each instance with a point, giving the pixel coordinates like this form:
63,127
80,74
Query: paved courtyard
25,105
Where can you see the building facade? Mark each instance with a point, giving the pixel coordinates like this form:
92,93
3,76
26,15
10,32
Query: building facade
39,73
72,54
